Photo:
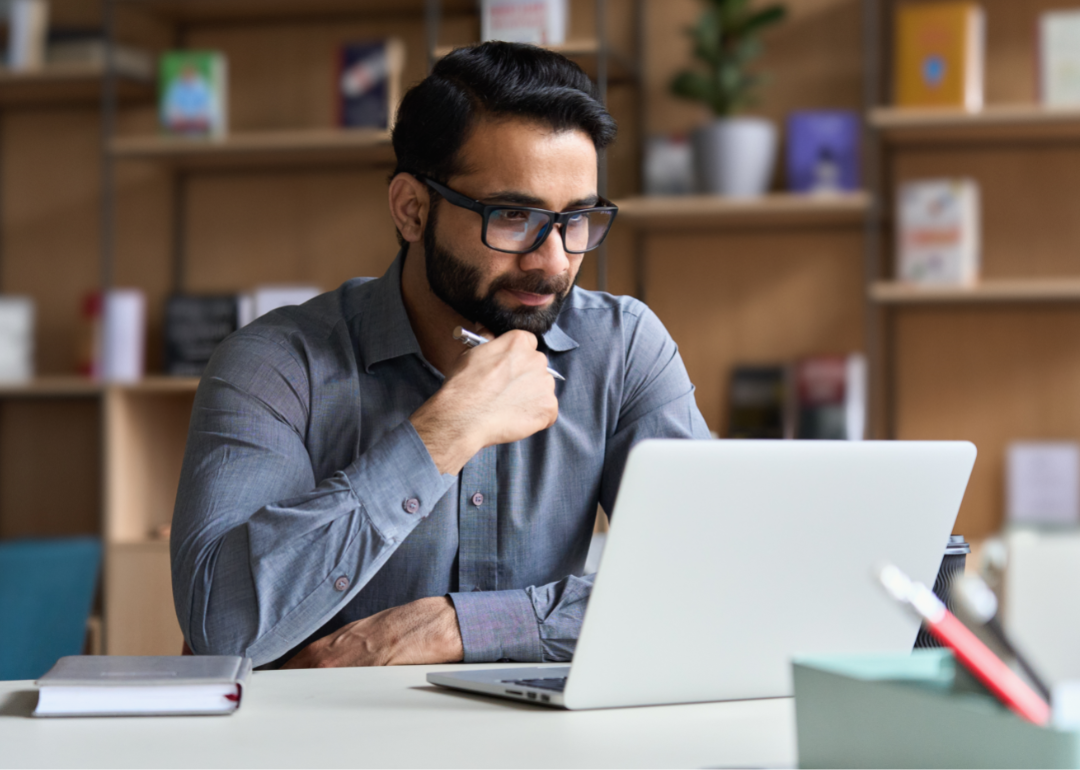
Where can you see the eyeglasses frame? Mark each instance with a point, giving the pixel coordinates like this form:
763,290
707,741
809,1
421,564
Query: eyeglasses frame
554,217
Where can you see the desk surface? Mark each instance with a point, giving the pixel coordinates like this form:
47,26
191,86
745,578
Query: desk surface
391,717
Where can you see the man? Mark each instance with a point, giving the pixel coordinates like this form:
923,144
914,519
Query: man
361,489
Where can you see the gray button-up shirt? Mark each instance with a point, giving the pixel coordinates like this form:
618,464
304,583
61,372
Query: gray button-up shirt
307,500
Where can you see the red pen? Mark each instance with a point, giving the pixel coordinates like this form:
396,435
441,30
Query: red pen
976,657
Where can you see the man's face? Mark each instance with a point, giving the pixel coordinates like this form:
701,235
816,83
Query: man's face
517,163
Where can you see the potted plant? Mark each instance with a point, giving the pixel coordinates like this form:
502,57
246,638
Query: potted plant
734,154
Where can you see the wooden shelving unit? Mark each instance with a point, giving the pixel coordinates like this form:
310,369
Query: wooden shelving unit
65,84
996,292
774,210
585,52
261,148
1005,122
52,387
993,362
245,11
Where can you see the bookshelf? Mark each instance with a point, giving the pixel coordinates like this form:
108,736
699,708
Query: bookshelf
999,291
66,84
287,198
995,122
994,362
265,149
773,210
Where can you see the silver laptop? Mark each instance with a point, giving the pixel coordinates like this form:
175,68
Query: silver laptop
727,558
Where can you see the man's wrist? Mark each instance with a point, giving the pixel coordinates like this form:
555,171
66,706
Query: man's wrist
449,435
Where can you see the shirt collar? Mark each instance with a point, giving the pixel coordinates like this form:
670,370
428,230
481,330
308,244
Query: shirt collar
387,333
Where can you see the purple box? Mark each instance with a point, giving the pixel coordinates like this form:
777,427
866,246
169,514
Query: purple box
823,151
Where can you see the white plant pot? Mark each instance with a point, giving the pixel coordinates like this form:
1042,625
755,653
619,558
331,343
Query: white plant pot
735,157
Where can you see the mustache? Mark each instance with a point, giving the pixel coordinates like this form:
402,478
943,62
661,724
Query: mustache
532,283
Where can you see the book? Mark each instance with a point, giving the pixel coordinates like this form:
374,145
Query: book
823,151
263,299
16,338
194,326
100,685
1042,483
114,340
759,403
540,22
28,26
193,93
830,394
369,83
939,55
938,232
1059,58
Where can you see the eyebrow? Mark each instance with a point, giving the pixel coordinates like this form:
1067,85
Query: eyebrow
515,198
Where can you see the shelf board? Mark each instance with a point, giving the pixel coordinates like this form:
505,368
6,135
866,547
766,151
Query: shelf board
217,11
158,383
74,386
712,212
262,148
52,387
1004,122
995,291
584,51
66,83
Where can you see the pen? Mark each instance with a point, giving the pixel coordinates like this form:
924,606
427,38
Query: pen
472,340
979,604
987,667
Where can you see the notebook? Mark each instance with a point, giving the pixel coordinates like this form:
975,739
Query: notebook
101,685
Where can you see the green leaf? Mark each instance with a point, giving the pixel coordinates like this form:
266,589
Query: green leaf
692,85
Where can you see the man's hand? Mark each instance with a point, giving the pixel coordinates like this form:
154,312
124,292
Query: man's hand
424,631
497,393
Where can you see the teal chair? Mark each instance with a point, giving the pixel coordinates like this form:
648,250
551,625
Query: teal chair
47,588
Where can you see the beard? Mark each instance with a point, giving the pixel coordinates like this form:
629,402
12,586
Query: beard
457,283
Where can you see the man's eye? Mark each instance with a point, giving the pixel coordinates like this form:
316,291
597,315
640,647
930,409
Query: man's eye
514,216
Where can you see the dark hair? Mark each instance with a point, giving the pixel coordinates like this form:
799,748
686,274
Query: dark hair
497,80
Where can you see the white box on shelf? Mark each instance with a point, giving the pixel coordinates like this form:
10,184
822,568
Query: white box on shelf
1042,481
123,336
16,338
540,22
1059,58
28,28
938,232
266,298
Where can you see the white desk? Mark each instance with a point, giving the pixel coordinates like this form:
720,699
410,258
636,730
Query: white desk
391,717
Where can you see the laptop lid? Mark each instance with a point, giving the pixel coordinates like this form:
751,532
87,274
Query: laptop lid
727,558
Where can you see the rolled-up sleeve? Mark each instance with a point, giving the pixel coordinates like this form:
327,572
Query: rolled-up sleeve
263,552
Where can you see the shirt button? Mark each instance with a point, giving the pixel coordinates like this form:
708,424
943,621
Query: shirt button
412,505
341,583
478,499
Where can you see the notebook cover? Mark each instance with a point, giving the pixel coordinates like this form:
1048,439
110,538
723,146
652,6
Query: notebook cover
127,671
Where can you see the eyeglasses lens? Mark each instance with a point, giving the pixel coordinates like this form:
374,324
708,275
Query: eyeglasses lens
515,230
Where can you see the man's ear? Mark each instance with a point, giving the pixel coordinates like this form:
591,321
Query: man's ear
409,206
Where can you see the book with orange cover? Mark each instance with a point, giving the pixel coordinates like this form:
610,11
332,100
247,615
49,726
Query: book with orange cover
939,55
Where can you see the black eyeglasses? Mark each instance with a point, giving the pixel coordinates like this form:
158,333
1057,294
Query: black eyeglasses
521,229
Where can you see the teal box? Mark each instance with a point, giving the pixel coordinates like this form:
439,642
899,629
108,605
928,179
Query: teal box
914,710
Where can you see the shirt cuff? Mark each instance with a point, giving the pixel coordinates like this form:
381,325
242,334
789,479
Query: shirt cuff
397,482
498,625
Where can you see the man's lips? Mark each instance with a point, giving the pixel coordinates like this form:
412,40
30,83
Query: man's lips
530,299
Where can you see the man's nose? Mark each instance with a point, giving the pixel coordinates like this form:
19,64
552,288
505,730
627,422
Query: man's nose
550,258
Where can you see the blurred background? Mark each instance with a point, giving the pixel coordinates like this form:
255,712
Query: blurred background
857,218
